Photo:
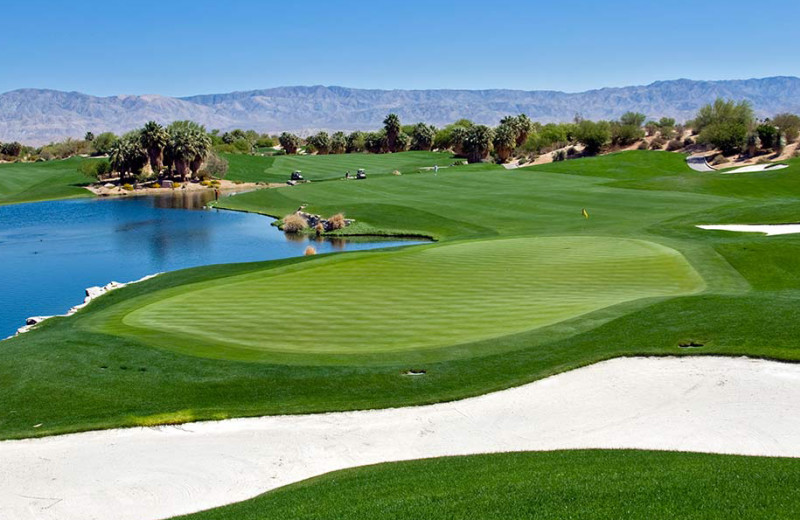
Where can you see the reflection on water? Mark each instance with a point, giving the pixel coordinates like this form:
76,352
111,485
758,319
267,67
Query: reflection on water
52,251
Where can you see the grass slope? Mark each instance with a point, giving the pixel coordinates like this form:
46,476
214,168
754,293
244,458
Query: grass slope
251,168
74,374
32,182
587,484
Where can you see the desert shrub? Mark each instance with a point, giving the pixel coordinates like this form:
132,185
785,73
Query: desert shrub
559,155
789,125
176,184
657,143
294,223
718,159
127,187
205,183
155,185
319,228
95,169
336,221
642,145
215,166
674,144
688,141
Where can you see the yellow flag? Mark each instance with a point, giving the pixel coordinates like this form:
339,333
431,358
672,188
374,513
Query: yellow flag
585,213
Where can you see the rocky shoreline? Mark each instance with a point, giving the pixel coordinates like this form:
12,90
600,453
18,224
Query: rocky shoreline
91,294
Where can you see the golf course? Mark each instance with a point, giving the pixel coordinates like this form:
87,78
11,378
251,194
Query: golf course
529,273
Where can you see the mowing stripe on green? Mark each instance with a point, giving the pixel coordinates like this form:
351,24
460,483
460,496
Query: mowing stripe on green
420,298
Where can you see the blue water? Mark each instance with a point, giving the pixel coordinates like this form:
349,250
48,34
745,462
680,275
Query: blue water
51,251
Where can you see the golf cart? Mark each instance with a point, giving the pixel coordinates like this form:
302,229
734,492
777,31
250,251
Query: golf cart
361,174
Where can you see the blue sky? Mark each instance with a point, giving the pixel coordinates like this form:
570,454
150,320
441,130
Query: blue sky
181,48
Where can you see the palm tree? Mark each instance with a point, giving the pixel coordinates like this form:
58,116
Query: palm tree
321,142
457,136
188,146
154,140
392,126
127,154
477,143
505,139
289,142
422,137
338,142
202,148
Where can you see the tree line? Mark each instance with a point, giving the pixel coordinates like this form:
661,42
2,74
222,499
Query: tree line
185,148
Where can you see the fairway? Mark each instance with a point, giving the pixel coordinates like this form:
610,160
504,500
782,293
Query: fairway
31,182
416,299
251,168
596,485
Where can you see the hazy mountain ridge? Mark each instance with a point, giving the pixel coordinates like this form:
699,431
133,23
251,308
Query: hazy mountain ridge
37,116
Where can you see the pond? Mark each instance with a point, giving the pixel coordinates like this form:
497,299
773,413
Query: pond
51,251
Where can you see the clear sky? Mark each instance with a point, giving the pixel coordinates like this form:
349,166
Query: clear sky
180,48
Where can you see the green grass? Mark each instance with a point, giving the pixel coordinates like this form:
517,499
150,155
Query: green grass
33,182
253,168
594,485
97,369
377,307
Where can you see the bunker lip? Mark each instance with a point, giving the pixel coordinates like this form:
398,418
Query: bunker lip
689,403
767,229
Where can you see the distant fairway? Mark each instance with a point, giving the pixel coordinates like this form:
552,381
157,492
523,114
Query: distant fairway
251,168
415,299
31,182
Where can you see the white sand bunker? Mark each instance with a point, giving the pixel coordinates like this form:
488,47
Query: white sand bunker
706,404
757,168
699,163
767,229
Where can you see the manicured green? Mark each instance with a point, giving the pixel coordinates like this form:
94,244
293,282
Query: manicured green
255,168
596,485
32,182
382,306
98,370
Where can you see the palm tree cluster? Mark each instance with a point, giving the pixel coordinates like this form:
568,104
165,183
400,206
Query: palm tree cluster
179,149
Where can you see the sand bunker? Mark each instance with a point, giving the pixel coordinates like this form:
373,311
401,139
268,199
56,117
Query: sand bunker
698,163
757,168
704,404
767,229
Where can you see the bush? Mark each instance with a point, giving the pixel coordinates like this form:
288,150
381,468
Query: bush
559,155
718,159
643,145
674,144
294,223
127,187
205,183
215,166
336,221
155,185
657,144
688,141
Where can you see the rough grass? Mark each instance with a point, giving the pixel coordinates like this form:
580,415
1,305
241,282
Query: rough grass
597,485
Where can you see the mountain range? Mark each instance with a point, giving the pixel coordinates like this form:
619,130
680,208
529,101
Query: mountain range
38,116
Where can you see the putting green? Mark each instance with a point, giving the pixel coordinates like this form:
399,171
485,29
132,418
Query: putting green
418,298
